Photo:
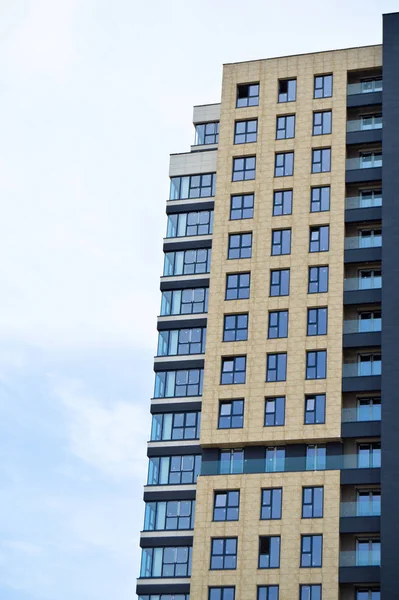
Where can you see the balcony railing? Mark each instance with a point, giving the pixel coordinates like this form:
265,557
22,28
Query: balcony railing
371,508
362,325
360,162
364,124
363,201
363,283
373,240
365,87
361,414
361,369
359,558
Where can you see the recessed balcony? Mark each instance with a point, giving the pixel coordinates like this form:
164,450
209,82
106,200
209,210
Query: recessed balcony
365,246
365,166
364,130
364,91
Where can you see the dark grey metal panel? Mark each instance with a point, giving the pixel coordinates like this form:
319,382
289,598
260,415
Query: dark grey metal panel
194,205
363,175
170,588
364,137
358,340
362,215
175,244
171,365
361,429
161,450
184,283
359,525
368,99
363,297
169,407
150,496
360,476
162,542
390,302
359,255
361,384
182,323
360,575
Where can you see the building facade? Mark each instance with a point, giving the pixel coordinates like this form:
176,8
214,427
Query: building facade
273,423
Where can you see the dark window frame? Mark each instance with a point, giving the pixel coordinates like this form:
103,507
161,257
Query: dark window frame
280,327
234,371
280,275
317,414
232,501
244,247
235,418
283,199
270,558
250,208
285,127
249,137
274,507
282,94
309,554
311,505
248,172
277,416
249,96
286,169
224,553
319,238
278,357
281,241
313,270
240,324
310,359
319,199
239,296
321,85
317,324
325,118
321,160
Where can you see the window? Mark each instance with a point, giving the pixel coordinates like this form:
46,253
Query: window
280,282
223,553
206,133
235,328
368,122
315,409
267,592
284,164
369,321
271,500
317,321
281,241
233,370
226,506
369,455
320,199
319,238
190,224
166,562
237,286
322,122
370,198
323,86
185,382
181,341
244,168
275,459
278,324
171,515
187,262
282,203
321,160
370,279
165,597
368,503
245,131
184,302
231,414
368,552
369,364
222,593
369,409
370,238
316,364
371,85
285,127
173,470
231,461
312,502
242,207
192,186
311,550
175,426
315,458
274,411
287,90
240,245
310,592
370,159
318,280
247,94
276,367
269,552
368,594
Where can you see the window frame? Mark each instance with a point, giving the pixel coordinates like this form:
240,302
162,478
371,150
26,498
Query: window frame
323,77
227,506
287,168
224,554
282,245
244,247
276,356
280,284
322,243
232,414
274,506
316,320
287,130
243,207
317,281
322,114
281,328
234,371
287,93
320,201
311,552
252,135
318,413
275,559
278,414
239,276
248,85
319,353
312,503
245,170
282,193
237,327
323,164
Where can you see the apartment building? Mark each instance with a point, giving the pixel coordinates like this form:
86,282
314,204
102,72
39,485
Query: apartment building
273,456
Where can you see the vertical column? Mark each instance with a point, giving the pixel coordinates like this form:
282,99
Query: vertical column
390,303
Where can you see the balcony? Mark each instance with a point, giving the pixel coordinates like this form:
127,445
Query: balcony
364,207
364,168
363,420
366,130
363,375
364,247
359,517
365,93
359,567
364,331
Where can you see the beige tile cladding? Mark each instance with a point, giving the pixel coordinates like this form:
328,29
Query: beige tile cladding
247,575
267,72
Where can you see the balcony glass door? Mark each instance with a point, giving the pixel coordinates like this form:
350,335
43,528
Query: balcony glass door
369,409
368,503
370,160
369,456
369,198
368,553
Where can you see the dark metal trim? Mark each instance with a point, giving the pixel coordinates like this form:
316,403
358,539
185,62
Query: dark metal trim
359,255
185,283
182,323
192,244
169,495
162,542
359,524
368,99
360,476
363,297
361,429
171,406
363,175
359,574
362,215
173,450
167,365
359,340
368,136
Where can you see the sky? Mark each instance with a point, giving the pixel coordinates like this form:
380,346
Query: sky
94,96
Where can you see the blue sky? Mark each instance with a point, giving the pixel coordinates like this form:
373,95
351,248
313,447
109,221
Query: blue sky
94,95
